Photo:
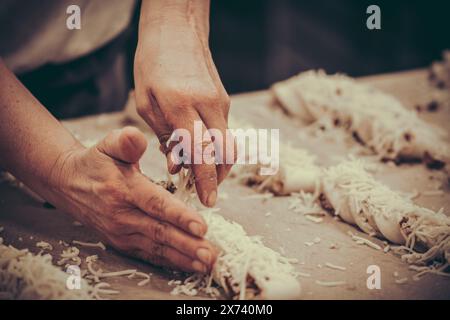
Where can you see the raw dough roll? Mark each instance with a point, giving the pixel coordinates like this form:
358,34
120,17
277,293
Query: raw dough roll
297,172
377,210
374,118
246,268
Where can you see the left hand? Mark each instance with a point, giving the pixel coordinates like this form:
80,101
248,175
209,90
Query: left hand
103,188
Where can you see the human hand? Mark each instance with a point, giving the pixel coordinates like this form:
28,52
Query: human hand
177,84
103,188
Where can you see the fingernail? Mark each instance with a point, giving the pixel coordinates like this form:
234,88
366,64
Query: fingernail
196,229
198,266
204,255
212,199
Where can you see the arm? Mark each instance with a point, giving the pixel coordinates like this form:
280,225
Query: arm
25,125
101,186
177,83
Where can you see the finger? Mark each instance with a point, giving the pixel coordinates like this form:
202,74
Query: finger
202,160
127,144
184,117
205,172
167,257
160,204
168,235
150,111
224,143
174,163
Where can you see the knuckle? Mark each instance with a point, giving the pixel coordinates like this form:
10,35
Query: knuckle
206,175
160,231
226,99
156,206
142,110
179,220
118,225
180,98
157,251
147,112
183,99
210,98
113,191
226,102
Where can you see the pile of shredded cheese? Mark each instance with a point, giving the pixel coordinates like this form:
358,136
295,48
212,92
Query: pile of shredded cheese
376,119
244,260
306,204
24,275
245,267
360,199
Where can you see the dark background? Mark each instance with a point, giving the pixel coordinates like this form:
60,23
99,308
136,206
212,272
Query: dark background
255,43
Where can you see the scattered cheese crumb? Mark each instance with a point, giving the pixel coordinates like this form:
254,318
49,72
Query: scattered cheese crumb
44,245
363,241
330,283
401,281
262,196
313,218
89,244
63,243
303,274
336,267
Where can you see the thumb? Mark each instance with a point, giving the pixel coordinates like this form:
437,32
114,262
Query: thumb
127,144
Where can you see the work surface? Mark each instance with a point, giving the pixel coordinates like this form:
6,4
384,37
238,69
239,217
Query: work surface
26,221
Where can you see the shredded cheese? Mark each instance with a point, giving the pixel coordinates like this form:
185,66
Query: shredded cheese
401,281
245,267
330,283
360,199
375,119
364,241
336,267
89,244
243,257
44,245
24,275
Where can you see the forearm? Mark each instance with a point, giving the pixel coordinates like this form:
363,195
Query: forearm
32,141
165,15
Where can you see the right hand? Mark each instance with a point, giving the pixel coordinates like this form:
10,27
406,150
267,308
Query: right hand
177,85
103,188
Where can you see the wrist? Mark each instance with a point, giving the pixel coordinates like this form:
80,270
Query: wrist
62,170
174,16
